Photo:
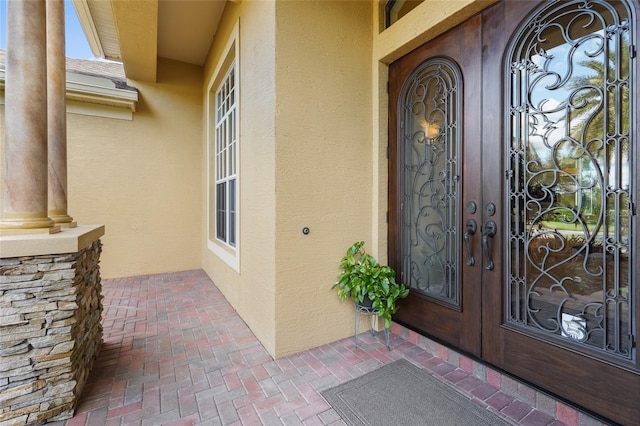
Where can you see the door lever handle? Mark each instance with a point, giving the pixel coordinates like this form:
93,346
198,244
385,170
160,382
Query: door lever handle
489,232
470,229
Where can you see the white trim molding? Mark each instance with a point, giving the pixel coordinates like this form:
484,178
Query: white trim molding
96,96
229,57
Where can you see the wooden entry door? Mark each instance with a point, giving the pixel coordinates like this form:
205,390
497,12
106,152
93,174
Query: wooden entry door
434,143
536,142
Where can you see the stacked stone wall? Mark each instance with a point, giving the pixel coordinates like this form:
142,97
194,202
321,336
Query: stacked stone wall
50,333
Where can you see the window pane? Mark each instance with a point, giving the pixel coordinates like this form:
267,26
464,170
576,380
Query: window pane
232,212
232,118
396,9
221,210
218,107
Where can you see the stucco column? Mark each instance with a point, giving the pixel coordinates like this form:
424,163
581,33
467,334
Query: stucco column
57,114
24,171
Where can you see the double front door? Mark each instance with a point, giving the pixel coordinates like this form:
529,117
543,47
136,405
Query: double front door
513,195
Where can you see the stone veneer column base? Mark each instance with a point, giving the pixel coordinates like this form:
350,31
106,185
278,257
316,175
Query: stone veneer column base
50,323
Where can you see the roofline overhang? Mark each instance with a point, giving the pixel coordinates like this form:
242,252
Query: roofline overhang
125,31
88,27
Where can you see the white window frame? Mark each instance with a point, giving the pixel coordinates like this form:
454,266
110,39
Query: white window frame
226,143
223,165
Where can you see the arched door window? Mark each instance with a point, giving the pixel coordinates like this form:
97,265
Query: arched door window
431,139
571,193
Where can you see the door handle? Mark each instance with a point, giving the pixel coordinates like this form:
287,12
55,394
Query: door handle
470,229
489,231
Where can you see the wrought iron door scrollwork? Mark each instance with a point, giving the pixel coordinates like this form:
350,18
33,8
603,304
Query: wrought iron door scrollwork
430,136
570,195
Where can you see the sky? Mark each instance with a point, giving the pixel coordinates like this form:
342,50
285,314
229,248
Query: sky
76,43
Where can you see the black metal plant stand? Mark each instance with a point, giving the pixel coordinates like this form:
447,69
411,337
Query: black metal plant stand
373,314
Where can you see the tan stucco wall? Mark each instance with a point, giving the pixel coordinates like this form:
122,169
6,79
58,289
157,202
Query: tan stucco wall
313,154
252,290
324,163
142,178
331,138
305,143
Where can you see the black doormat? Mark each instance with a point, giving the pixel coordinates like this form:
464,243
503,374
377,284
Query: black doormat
401,394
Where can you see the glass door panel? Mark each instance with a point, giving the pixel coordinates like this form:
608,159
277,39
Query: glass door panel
430,240
570,192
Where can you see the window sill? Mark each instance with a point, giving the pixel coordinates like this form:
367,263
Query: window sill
228,256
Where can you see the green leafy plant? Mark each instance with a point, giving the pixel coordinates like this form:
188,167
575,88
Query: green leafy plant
363,276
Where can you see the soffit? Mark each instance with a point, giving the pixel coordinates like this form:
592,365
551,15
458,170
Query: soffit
96,19
186,29
136,32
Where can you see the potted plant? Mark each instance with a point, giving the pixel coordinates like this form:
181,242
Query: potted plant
363,278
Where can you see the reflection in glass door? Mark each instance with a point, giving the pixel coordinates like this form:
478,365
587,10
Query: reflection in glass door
571,177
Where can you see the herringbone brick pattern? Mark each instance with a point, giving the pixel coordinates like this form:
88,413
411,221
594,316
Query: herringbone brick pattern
176,353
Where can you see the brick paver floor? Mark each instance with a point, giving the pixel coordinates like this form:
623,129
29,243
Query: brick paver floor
176,353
